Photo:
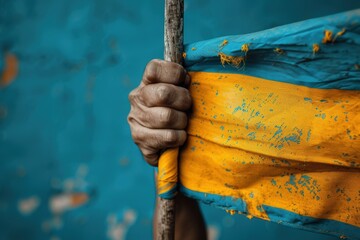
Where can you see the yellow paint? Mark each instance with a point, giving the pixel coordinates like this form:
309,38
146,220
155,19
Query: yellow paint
342,32
168,171
231,212
223,44
279,51
10,71
67,201
78,199
276,144
316,48
327,36
245,48
235,61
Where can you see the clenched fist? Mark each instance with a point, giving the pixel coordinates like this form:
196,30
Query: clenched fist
158,116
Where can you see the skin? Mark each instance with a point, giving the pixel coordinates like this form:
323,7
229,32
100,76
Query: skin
158,119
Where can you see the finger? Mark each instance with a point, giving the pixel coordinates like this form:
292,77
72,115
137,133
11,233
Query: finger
166,95
151,156
159,117
155,139
151,141
159,71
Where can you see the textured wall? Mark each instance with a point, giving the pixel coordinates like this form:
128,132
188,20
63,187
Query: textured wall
68,167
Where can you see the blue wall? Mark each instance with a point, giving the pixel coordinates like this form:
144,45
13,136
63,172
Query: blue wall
63,129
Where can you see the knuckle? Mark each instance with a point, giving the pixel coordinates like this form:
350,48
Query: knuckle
166,116
163,94
152,69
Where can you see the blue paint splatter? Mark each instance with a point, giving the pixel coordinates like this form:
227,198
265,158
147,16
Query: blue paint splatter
348,133
322,115
236,109
241,108
278,131
252,135
292,138
291,181
259,125
308,135
308,99
273,182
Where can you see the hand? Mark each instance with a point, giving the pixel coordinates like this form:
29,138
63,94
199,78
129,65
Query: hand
158,117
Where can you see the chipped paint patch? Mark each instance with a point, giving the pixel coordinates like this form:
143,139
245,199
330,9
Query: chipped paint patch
28,205
117,230
10,70
67,201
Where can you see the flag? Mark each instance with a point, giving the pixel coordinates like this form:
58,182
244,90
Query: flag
274,132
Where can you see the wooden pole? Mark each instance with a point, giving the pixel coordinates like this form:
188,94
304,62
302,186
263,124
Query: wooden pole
166,219
173,49
174,29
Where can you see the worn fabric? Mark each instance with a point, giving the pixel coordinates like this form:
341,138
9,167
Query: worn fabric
274,130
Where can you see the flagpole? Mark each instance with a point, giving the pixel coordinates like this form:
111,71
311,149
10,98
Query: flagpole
173,49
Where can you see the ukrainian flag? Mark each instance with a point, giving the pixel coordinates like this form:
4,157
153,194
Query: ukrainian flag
274,132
